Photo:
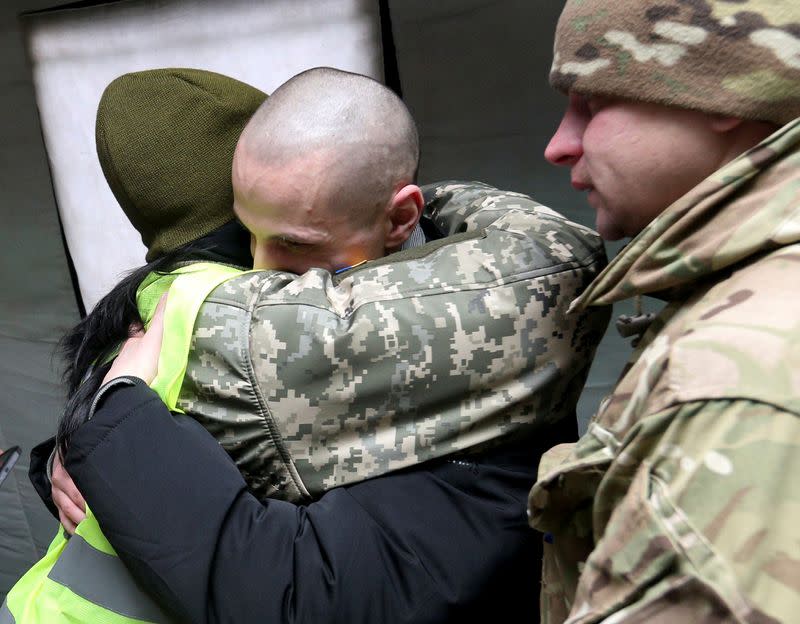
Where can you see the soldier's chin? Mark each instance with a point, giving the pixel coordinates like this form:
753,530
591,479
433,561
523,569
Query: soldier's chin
609,230
607,227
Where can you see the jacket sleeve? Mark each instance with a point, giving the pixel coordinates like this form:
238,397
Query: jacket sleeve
707,528
40,471
424,545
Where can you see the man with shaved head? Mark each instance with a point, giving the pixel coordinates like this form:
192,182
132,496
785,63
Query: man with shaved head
324,174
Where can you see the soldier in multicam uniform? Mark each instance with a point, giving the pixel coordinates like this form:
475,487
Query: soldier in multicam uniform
401,401
680,502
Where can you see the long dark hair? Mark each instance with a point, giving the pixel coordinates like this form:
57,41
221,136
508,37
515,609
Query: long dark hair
87,348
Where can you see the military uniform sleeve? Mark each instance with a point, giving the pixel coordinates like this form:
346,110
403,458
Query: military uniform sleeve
706,530
430,544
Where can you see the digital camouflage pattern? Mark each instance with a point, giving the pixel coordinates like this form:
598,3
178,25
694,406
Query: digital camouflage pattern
317,381
735,57
680,502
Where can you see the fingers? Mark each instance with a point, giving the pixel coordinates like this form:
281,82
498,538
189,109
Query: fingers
69,527
66,497
69,514
139,354
154,336
64,483
162,304
156,329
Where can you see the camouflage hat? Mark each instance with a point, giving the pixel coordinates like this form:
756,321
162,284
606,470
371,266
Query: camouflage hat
733,57
165,140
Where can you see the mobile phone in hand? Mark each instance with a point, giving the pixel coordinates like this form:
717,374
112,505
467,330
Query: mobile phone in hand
7,461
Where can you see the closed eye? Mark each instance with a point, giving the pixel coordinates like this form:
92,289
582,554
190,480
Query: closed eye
289,243
595,104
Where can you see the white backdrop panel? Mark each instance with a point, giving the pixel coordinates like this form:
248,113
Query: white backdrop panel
76,53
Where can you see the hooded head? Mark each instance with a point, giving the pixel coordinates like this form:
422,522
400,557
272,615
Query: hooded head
165,140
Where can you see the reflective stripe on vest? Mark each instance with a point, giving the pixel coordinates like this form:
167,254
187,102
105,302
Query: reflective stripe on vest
82,579
6,616
103,580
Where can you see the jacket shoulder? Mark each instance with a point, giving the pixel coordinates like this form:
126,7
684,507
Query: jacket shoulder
742,338
456,206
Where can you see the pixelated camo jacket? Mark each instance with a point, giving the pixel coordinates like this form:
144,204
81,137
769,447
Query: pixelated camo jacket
680,503
316,381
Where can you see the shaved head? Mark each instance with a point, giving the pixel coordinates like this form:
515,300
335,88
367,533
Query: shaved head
324,173
362,128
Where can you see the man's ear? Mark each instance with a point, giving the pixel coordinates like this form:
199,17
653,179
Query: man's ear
722,123
740,134
404,212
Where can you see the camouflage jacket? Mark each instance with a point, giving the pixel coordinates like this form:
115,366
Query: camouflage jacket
680,502
317,381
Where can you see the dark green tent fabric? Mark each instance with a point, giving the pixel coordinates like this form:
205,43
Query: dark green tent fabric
37,303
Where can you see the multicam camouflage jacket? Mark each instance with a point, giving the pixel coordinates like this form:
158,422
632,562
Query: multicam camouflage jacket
680,503
317,381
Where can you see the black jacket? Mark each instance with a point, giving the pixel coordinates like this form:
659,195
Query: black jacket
446,541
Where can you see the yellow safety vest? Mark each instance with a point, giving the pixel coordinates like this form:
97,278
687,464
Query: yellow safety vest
80,578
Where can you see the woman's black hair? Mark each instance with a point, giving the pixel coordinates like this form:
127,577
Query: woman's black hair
87,348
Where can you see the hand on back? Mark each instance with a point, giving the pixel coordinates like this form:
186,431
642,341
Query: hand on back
137,358
66,497
139,354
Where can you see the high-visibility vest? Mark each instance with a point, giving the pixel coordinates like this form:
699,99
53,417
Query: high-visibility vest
80,578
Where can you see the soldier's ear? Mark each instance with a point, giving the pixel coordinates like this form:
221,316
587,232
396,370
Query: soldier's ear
404,212
740,134
723,123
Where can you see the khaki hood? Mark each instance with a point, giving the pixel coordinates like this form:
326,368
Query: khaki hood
165,141
749,206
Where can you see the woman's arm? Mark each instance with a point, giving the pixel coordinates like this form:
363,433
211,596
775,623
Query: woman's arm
424,545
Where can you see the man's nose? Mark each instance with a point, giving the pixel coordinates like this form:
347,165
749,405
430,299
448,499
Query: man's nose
566,147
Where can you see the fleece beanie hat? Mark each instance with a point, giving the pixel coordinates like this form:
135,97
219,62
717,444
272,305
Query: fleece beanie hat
165,140
738,58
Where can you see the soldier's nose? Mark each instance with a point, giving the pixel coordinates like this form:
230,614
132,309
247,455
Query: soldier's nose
566,146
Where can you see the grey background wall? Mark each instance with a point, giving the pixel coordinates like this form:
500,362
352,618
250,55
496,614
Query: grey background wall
474,73
37,302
